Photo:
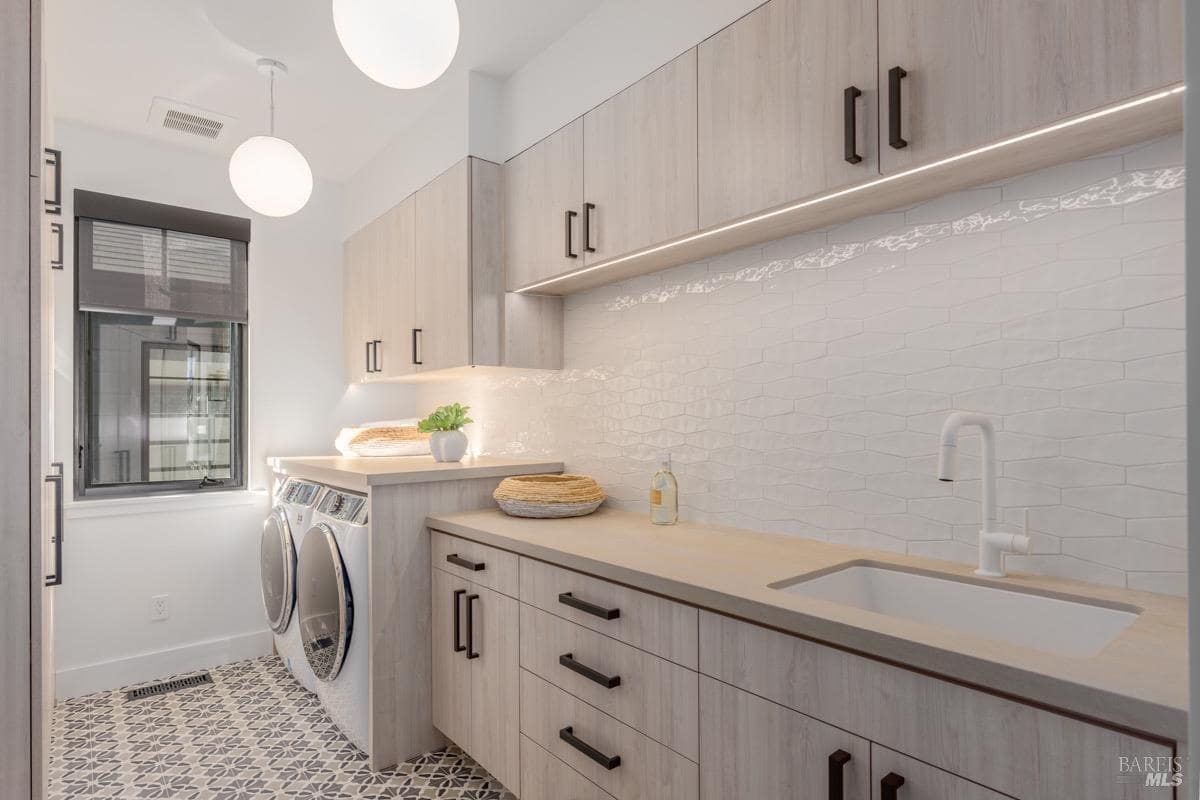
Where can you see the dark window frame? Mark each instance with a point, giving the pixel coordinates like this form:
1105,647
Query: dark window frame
138,212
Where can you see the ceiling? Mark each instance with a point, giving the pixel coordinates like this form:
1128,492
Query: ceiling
108,59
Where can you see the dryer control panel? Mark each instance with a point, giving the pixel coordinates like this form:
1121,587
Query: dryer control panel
298,492
344,506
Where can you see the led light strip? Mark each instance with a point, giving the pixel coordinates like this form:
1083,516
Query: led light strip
1058,126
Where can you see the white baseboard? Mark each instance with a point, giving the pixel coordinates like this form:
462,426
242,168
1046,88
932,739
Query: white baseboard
105,675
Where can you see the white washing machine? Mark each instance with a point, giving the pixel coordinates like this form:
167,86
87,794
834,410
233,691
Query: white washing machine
332,575
282,534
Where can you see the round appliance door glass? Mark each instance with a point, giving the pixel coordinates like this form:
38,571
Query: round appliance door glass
324,602
277,568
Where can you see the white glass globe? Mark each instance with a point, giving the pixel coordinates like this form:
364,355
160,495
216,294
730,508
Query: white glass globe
271,176
403,44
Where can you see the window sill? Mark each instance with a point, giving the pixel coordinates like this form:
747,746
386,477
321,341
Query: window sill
164,504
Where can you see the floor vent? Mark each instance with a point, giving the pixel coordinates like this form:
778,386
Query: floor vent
166,687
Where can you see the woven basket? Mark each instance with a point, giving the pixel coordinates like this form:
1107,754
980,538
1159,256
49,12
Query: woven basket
548,496
391,441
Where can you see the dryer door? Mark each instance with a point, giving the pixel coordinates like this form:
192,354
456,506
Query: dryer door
277,566
324,602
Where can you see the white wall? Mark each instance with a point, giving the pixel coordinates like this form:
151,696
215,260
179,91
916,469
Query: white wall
119,554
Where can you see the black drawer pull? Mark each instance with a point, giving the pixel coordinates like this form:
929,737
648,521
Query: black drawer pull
608,762
570,215
458,646
375,355
889,787
607,681
568,599
850,123
459,561
416,333
471,651
837,762
588,208
895,74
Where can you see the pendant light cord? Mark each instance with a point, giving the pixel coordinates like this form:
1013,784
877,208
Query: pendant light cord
272,124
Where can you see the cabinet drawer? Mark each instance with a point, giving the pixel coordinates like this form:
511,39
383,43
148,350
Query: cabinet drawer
645,621
646,770
987,739
655,696
478,563
921,781
544,777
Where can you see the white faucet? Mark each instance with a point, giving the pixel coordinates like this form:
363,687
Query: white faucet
992,544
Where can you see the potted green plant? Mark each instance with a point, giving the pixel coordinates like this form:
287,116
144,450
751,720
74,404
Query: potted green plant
448,442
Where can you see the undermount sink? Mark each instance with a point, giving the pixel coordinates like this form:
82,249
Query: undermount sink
1052,623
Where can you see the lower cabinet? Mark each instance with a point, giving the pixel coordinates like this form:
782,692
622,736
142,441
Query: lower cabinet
544,777
750,747
476,674
895,776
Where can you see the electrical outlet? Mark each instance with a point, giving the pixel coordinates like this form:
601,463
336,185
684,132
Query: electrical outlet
160,608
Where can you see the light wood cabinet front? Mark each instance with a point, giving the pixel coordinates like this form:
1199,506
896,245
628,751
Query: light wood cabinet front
451,670
639,152
978,71
443,275
915,780
393,275
544,777
541,185
772,102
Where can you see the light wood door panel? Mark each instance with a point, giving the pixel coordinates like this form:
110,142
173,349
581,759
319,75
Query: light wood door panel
771,91
499,568
495,685
921,781
443,269
983,69
752,747
544,777
639,151
540,186
452,713
391,301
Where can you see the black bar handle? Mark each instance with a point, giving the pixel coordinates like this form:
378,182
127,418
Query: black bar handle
570,215
471,651
588,208
53,205
607,681
889,787
837,763
56,578
850,123
608,762
56,228
458,646
368,356
416,333
568,599
378,360
895,75
459,561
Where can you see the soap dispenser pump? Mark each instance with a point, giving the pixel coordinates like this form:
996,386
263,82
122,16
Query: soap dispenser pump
664,494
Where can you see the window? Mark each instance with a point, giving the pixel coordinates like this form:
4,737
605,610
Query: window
160,336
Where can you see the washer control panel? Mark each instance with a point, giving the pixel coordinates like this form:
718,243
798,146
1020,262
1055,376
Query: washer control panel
344,506
298,492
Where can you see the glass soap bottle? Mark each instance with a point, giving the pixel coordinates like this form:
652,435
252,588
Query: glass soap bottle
664,494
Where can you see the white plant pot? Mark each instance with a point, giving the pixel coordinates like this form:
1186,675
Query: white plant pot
448,446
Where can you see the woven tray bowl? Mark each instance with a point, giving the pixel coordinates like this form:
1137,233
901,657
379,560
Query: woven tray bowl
391,441
548,496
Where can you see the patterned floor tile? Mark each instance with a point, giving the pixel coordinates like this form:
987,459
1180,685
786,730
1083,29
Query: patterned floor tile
253,733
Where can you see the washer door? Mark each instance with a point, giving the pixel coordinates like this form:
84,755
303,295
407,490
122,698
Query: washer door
277,567
324,602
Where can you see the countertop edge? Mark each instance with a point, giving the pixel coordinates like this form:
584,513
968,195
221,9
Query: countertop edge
468,471
1120,711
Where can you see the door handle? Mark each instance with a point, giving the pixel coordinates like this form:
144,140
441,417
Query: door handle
567,734
837,763
607,681
570,215
375,355
458,648
416,333
889,787
459,561
471,651
368,359
53,204
56,228
568,599
56,578
895,75
850,123
588,208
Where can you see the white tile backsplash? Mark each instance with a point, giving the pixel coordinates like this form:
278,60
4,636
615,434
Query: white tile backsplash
800,385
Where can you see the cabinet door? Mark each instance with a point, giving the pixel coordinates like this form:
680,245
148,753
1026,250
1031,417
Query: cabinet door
541,185
495,684
895,776
772,105
980,70
443,266
392,302
355,302
639,152
750,747
451,669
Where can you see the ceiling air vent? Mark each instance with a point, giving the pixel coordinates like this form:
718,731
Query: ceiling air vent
188,119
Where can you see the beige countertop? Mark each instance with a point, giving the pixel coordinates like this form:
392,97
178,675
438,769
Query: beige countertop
1139,681
363,473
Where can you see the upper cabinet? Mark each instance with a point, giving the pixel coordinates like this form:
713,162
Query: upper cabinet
787,105
444,301
961,74
639,156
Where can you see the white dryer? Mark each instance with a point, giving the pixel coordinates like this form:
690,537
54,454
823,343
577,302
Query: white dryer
332,603
282,534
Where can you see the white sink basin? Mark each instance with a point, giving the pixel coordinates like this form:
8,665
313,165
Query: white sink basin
1055,624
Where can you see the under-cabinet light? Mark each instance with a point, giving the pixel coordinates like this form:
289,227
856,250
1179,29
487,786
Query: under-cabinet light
884,179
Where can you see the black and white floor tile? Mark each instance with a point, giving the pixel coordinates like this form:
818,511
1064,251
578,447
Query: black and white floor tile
253,733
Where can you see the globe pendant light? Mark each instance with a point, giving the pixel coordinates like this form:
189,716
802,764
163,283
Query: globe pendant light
269,174
403,44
